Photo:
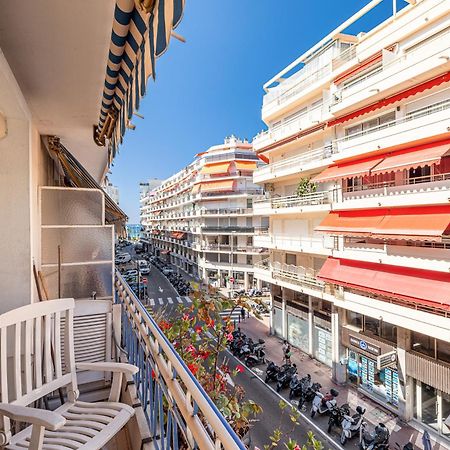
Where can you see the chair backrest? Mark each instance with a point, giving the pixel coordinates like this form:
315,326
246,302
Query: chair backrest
33,339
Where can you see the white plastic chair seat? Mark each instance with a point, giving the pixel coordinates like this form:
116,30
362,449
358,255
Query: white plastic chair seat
88,426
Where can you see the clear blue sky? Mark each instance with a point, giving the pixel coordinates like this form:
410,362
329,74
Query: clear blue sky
211,86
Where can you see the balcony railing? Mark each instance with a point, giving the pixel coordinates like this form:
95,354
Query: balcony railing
227,229
293,201
236,248
179,413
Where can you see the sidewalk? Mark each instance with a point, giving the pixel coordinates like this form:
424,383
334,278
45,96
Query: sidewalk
400,432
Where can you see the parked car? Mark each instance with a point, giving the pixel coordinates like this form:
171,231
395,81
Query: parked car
122,259
144,268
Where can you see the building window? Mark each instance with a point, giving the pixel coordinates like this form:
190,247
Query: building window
291,259
369,125
371,326
355,319
429,406
443,351
419,175
389,332
423,344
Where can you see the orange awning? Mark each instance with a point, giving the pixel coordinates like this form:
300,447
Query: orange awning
216,168
392,99
421,223
245,165
425,287
348,170
425,155
218,186
196,189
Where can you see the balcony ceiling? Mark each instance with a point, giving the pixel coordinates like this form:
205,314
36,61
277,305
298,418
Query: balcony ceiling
58,52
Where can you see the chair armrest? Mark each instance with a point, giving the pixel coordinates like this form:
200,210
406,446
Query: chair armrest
114,367
41,417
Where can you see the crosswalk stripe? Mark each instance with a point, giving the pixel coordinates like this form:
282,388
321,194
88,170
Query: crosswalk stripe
152,302
179,300
188,300
161,301
169,299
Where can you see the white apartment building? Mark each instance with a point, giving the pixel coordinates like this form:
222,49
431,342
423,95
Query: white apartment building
358,189
202,217
112,191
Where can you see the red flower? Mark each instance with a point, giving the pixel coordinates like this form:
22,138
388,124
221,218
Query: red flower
153,374
186,318
193,368
229,337
190,349
297,447
204,354
240,368
211,323
164,325
198,329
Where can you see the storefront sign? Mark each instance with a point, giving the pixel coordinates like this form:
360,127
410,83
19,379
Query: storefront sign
364,345
386,360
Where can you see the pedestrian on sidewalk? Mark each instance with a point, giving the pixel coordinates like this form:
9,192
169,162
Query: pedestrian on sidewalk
243,314
287,355
286,350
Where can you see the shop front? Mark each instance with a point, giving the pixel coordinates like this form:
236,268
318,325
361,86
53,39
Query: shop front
368,369
277,317
298,328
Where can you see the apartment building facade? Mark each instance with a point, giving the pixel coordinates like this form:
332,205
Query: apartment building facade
201,218
357,191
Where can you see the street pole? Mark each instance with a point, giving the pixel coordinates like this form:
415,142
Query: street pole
232,264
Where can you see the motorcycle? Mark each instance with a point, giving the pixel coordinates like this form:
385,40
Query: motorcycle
351,425
272,371
298,385
308,394
377,440
285,376
323,404
258,356
337,415
245,349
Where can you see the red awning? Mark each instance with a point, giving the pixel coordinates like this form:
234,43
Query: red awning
363,65
392,99
421,223
420,286
353,169
425,155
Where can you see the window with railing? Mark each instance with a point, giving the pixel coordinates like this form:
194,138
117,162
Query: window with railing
370,125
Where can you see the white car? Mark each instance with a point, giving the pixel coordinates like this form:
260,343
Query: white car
143,267
124,258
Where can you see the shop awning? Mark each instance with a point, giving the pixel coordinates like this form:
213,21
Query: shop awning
141,33
216,168
412,158
348,170
218,186
245,165
420,286
392,99
424,223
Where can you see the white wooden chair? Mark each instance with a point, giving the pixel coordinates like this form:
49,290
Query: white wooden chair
32,340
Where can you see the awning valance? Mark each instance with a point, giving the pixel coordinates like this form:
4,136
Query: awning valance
216,168
348,170
141,32
421,223
392,99
245,165
425,287
425,155
218,186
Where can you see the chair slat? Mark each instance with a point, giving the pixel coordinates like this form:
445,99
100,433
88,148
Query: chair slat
17,360
57,345
48,370
38,352
27,357
3,366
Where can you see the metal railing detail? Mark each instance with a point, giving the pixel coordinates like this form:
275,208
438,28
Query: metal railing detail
175,404
292,201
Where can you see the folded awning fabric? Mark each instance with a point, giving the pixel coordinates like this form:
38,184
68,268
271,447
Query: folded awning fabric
196,188
348,170
425,223
425,287
140,34
216,168
245,165
218,186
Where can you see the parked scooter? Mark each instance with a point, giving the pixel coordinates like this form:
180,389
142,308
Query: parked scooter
298,385
337,415
351,425
273,370
245,349
258,356
377,440
285,376
323,404
308,394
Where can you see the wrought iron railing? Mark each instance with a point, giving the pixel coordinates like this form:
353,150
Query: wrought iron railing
178,411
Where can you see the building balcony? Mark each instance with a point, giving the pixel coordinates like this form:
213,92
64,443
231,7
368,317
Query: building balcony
398,72
429,121
430,257
294,204
303,162
294,277
426,190
226,248
289,127
206,229
227,211
322,245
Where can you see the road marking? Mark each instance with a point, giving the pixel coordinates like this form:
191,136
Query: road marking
160,289
179,300
161,302
152,302
169,299
188,300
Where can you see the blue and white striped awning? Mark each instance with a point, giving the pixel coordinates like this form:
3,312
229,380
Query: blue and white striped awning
141,32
